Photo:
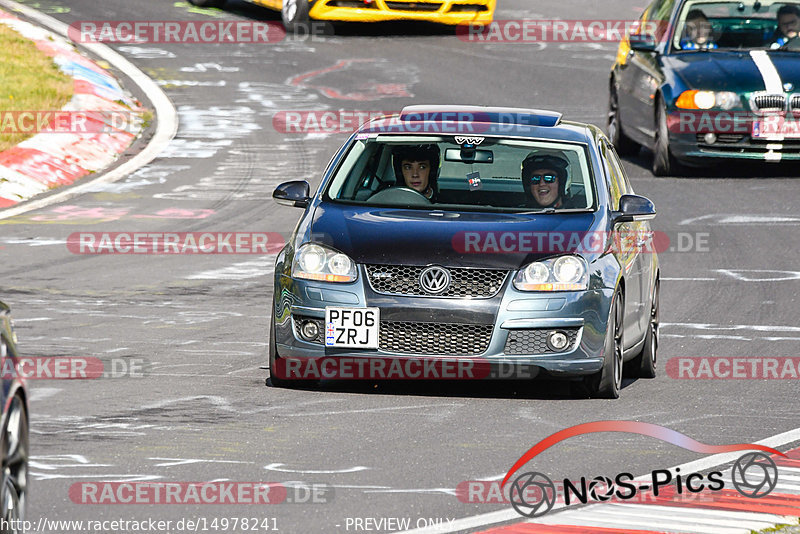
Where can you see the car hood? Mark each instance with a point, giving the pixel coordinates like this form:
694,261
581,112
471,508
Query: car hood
396,236
731,70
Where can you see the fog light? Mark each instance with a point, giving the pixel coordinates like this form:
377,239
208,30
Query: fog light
309,330
557,340
710,138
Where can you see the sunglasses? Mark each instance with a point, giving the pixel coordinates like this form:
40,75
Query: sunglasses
548,178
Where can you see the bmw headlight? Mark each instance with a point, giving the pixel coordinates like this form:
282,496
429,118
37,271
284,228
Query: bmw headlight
695,99
565,273
316,262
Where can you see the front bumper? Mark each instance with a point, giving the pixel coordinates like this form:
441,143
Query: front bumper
513,321
450,12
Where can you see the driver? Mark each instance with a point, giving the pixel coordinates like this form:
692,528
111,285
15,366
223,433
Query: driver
417,167
544,179
697,33
788,26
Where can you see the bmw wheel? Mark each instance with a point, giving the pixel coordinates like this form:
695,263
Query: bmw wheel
625,145
294,14
14,488
664,163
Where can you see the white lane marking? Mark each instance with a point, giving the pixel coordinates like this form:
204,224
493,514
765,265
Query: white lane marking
703,464
139,52
240,271
446,491
37,394
687,279
33,241
166,126
279,468
105,478
205,67
367,410
732,327
772,80
776,276
171,462
51,462
725,218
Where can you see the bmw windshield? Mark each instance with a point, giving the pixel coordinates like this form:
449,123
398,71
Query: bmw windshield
750,25
491,174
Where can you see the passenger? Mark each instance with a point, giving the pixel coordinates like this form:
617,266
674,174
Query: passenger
417,168
545,181
788,26
697,33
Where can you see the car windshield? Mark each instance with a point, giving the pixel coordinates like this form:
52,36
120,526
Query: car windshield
437,172
748,25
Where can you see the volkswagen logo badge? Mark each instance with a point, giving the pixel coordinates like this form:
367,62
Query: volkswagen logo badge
434,280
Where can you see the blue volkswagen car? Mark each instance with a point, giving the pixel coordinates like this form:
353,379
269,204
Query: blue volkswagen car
501,236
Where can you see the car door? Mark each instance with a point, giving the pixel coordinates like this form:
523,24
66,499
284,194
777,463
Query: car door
640,75
624,237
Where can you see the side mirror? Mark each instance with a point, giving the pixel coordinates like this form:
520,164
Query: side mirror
296,193
642,42
634,208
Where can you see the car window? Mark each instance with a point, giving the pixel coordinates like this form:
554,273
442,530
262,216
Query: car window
487,175
751,24
617,181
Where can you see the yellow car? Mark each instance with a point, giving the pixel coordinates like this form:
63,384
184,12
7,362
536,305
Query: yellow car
295,13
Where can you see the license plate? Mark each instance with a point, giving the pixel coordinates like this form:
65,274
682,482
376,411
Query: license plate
355,328
776,126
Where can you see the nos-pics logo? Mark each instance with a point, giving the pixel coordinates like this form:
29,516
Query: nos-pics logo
533,494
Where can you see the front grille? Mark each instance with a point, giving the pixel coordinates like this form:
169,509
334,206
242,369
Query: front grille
794,104
435,338
465,282
769,103
410,337
414,6
534,341
721,138
359,4
467,8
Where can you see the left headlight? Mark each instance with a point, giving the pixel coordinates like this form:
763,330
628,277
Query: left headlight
317,262
694,99
565,273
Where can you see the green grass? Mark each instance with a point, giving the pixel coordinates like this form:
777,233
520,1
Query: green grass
29,81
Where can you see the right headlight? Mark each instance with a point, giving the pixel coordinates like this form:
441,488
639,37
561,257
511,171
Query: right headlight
565,273
317,262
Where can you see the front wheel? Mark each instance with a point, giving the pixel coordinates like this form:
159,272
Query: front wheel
607,383
294,14
14,490
664,163
644,365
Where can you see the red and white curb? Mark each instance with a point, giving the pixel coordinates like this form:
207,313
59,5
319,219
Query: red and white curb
38,165
49,160
719,512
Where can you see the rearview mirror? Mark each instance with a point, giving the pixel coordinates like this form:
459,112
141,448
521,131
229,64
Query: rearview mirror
634,208
295,193
469,155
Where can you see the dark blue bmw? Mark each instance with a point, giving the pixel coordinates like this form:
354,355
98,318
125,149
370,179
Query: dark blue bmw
471,234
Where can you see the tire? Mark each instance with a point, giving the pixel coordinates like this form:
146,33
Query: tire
15,450
625,145
607,383
664,163
273,380
644,365
207,3
294,14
